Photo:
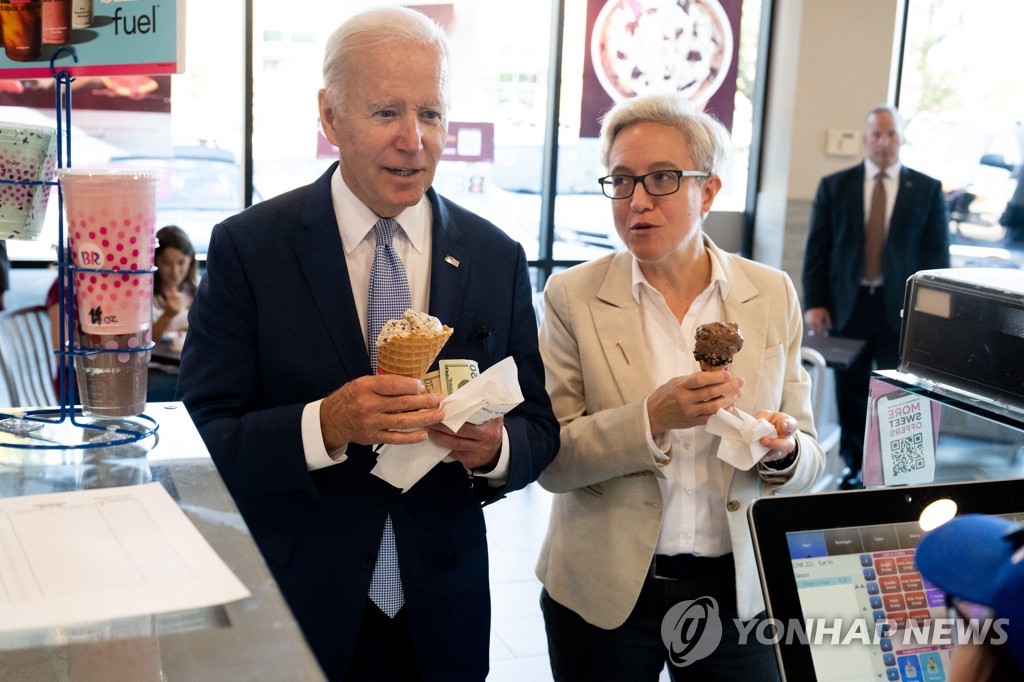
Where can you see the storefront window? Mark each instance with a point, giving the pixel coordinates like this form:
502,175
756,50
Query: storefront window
965,121
193,124
615,49
501,80
499,54
188,125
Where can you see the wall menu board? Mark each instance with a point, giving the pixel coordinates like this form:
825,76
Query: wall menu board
110,37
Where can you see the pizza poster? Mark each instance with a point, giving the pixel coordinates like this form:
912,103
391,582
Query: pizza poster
109,37
636,47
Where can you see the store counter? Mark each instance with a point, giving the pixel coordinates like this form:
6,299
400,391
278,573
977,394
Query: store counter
252,638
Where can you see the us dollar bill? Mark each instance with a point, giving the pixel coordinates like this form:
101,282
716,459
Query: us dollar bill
457,373
432,382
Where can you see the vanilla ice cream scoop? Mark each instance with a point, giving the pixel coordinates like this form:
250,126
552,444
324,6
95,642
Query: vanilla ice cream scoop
421,323
409,345
393,329
411,322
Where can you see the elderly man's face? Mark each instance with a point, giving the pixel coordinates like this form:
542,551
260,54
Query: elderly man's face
391,128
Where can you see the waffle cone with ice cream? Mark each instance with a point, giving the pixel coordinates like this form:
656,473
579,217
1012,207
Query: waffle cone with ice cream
408,346
715,345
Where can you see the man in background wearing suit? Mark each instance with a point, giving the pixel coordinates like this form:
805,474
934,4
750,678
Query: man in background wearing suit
872,227
277,373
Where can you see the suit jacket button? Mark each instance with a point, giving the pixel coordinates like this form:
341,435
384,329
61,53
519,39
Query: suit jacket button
733,505
367,562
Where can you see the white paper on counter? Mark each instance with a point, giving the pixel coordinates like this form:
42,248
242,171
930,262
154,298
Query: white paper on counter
494,393
741,435
93,555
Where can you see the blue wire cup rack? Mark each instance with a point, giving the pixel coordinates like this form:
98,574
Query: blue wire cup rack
66,427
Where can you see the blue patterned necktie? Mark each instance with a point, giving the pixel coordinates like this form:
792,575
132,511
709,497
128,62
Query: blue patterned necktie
389,298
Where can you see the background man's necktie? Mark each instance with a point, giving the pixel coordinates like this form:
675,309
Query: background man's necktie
874,233
389,298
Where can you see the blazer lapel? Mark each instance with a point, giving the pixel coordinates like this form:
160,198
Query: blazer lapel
902,210
321,256
450,264
615,309
855,212
744,307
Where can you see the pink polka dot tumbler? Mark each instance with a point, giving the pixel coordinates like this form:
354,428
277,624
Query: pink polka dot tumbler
28,154
110,222
111,226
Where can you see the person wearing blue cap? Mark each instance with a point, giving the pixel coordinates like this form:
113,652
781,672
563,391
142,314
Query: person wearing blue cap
979,560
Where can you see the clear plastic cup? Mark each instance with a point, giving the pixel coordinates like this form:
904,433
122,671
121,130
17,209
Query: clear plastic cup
113,384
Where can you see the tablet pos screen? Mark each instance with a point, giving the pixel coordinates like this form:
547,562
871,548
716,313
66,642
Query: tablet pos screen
843,592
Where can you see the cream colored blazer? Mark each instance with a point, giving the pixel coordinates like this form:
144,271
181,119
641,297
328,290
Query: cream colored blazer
607,510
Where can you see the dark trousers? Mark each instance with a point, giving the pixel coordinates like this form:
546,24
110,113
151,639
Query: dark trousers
384,650
881,351
635,651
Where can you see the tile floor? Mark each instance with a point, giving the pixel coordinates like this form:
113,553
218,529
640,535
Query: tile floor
515,532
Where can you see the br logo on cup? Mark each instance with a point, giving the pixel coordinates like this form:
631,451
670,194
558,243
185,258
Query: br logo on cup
691,630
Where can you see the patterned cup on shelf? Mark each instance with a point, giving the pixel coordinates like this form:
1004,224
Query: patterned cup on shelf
27,154
111,218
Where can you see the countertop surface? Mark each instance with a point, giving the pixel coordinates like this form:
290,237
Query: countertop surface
252,638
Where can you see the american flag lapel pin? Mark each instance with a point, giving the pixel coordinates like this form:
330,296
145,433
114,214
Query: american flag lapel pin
452,261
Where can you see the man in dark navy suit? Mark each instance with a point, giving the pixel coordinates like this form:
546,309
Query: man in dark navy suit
277,375
872,227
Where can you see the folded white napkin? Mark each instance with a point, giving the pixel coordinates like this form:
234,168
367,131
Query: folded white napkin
494,393
740,434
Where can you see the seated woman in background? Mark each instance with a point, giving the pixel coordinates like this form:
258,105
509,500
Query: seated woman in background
175,281
174,286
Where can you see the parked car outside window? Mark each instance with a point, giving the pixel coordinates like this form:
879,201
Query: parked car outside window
980,166
200,186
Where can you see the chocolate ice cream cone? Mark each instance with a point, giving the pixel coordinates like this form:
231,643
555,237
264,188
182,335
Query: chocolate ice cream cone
715,345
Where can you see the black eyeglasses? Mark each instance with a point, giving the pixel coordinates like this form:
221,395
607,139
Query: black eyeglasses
657,184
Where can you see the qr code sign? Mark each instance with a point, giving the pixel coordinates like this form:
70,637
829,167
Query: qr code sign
908,454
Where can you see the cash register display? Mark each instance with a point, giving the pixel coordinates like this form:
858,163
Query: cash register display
868,614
